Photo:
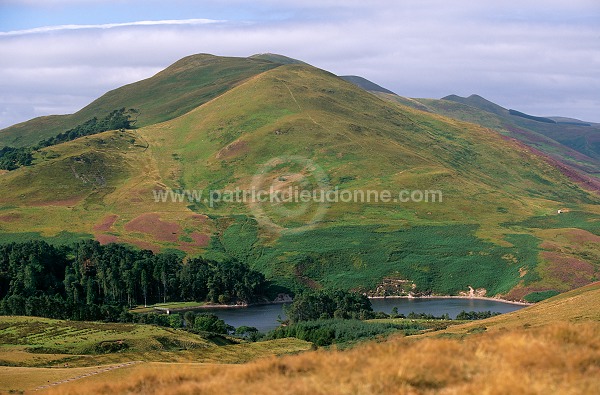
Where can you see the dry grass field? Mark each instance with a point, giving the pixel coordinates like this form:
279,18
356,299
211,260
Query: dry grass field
558,358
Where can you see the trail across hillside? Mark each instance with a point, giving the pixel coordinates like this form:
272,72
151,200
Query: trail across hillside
101,369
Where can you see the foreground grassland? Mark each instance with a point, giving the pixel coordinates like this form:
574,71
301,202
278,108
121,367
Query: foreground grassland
552,347
555,359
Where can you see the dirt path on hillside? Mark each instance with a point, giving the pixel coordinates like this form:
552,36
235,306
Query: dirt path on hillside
101,369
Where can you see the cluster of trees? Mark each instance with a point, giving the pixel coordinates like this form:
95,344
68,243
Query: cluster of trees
89,281
196,322
463,315
475,315
191,321
339,331
532,117
327,304
117,119
12,158
418,316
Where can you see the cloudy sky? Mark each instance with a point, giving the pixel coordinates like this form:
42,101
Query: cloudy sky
540,57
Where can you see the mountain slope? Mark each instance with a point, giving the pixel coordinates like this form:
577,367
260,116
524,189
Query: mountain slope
581,137
365,84
184,85
498,212
276,58
573,144
570,145
478,102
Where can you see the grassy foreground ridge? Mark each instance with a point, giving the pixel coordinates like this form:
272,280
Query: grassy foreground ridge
550,347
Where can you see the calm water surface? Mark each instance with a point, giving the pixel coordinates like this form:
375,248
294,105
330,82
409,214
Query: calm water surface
265,317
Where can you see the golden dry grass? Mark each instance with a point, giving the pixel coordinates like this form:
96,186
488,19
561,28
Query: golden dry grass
20,378
559,358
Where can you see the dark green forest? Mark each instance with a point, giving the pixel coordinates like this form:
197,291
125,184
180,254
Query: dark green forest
89,281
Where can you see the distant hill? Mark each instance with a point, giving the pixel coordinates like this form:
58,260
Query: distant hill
578,137
365,84
570,121
573,143
478,102
531,117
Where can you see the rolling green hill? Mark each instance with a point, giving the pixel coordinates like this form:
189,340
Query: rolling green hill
184,85
293,125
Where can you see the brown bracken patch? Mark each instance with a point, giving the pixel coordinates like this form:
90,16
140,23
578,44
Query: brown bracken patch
12,217
232,150
199,218
106,223
150,223
580,236
570,271
200,239
520,291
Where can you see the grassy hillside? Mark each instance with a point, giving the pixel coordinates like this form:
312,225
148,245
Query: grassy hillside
47,336
298,110
497,227
574,144
44,342
579,136
184,85
39,351
549,348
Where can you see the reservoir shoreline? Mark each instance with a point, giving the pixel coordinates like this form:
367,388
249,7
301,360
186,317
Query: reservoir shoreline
453,297
426,297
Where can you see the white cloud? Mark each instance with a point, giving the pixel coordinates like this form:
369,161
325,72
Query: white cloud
48,29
